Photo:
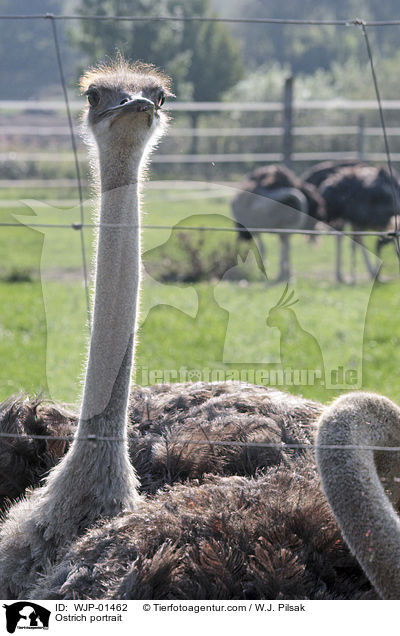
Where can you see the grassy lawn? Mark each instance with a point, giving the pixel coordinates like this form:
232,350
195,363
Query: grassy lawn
216,326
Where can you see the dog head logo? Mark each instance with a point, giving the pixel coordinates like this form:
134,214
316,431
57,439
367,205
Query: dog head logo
26,615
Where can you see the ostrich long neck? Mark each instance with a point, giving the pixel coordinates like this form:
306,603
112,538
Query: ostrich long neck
99,473
109,368
352,486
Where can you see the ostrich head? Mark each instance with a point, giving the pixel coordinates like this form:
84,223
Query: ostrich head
124,105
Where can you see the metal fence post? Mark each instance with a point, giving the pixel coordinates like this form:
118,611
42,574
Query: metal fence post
287,141
361,137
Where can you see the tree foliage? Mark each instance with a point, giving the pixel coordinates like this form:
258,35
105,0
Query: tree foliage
202,57
27,58
307,48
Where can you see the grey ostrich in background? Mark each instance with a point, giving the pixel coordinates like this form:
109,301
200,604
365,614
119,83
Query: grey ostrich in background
321,171
273,197
358,195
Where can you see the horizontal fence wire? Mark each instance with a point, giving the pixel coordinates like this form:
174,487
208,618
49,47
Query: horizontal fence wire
200,228
272,131
213,159
299,104
193,18
207,442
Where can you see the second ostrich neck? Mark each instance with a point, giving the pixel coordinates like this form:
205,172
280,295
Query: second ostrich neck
366,517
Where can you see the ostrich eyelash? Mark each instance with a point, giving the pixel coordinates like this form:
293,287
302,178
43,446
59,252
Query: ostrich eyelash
161,99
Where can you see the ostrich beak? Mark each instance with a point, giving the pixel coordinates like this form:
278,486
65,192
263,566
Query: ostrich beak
135,105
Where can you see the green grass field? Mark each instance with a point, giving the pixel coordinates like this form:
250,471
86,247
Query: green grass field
216,325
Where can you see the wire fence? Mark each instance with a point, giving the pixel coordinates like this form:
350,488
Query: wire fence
62,131
209,228
203,107
192,18
357,22
77,168
363,25
214,158
210,442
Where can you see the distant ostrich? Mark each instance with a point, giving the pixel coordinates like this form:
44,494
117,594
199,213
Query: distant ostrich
273,197
321,171
95,479
360,195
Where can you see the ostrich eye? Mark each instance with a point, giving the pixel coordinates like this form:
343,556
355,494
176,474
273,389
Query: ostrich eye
161,99
93,96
